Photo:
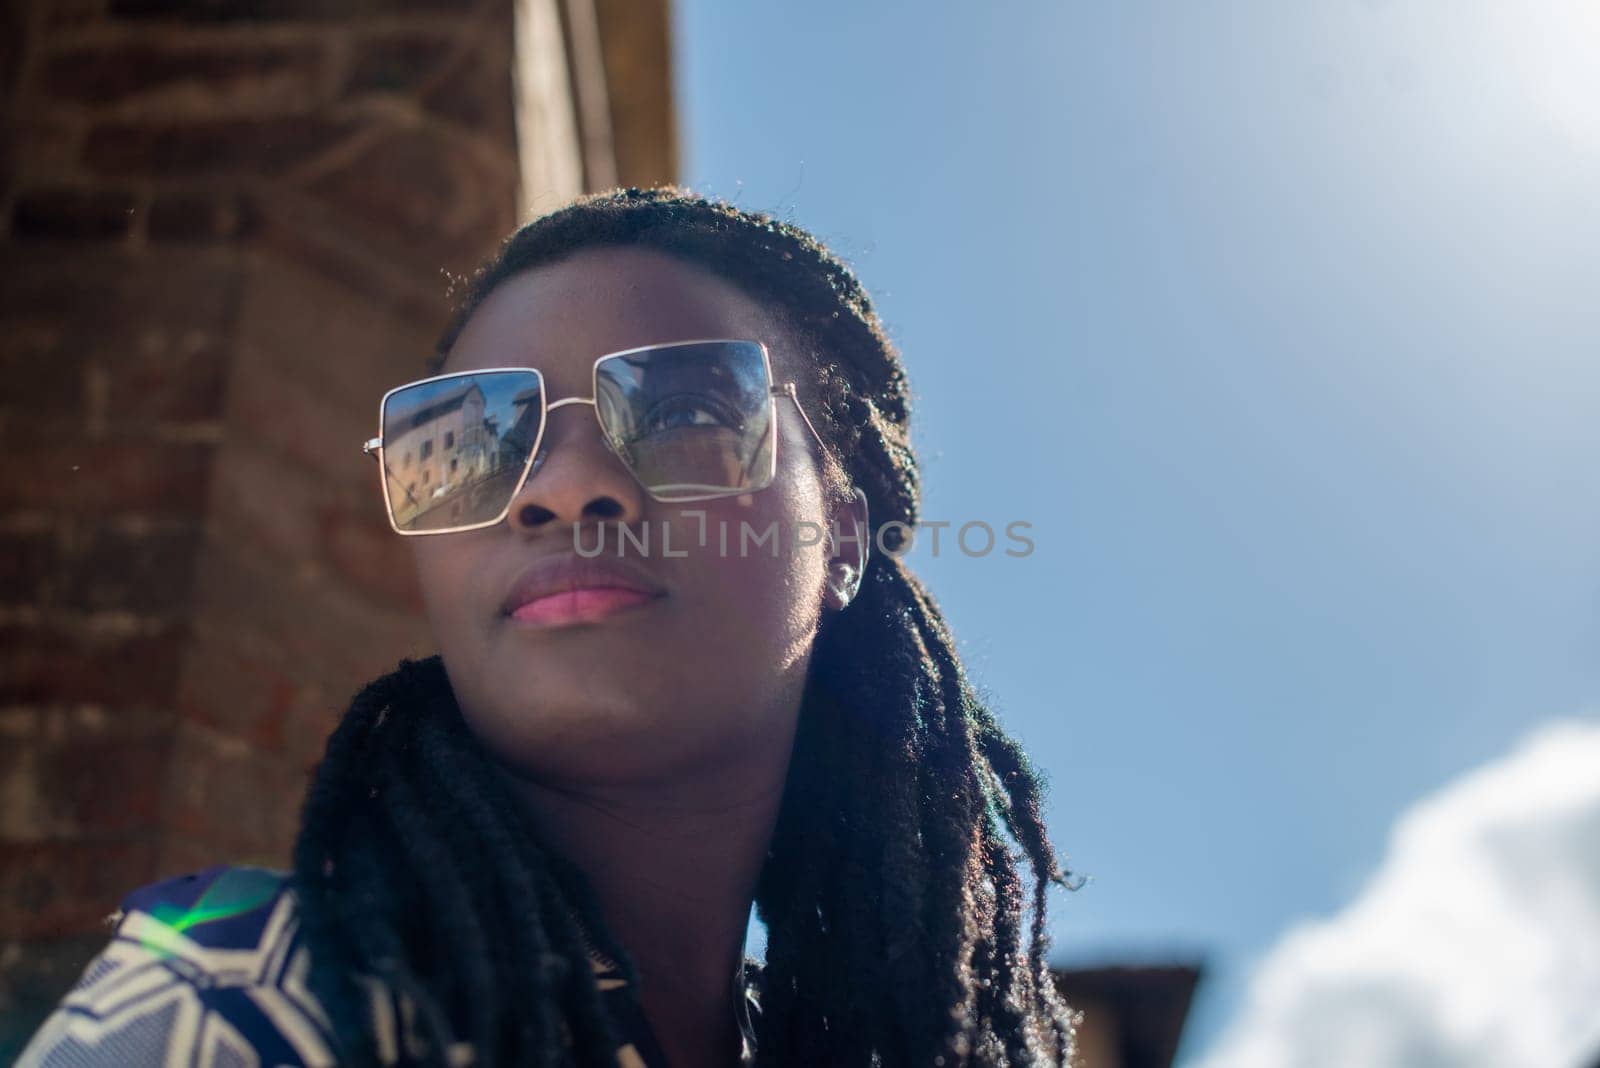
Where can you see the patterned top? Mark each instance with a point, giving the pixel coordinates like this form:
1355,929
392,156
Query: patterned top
209,970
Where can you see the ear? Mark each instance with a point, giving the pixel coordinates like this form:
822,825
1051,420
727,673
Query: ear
851,542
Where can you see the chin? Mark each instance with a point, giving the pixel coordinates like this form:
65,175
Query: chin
577,739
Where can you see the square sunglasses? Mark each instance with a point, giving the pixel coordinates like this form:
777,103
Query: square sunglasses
690,420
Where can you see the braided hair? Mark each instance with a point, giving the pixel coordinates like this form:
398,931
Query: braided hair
891,891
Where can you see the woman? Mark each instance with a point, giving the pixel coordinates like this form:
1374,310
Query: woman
541,845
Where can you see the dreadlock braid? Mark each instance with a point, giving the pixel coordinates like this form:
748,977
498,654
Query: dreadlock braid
891,892
391,887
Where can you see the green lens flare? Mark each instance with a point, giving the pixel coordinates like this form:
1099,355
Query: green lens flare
236,892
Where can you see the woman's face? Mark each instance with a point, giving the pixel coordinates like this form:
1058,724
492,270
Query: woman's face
710,670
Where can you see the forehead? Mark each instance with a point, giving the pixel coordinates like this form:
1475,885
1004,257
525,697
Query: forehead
562,316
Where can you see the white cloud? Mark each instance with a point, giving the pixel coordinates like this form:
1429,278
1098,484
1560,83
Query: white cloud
1475,945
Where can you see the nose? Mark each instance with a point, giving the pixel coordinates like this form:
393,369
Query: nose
576,478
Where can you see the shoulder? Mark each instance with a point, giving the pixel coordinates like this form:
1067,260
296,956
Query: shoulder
203,968
223,908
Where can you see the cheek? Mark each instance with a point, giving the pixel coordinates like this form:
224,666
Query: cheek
443,572
757,585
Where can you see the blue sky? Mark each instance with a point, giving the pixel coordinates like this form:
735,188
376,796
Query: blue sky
1281,326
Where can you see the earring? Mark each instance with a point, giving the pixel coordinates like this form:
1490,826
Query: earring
849,586
849,583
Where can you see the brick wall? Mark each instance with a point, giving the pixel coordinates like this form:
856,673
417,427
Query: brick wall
223,231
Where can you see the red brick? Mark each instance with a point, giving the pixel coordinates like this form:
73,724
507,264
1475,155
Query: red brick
55,889
22,817
167,378
397,62
322,629
224,215
237,691
47,664
298,421
257,76
76,12
211,146
180,856
107,787
385,274
172,689
45,373
72,214
95,724
13,44
258,691
360,546
319,416
309,723
28,566
477,93
101,297
266,505
266,606
38,144
226,794
643,118
443,194
150,573
314,363
129,474
275,10
85,379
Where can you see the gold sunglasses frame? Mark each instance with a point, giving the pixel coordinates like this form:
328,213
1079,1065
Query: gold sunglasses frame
373,447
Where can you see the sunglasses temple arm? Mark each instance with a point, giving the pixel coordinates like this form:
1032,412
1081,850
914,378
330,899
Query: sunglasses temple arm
788,390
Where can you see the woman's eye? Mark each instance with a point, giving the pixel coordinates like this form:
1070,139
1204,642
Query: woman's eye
683,411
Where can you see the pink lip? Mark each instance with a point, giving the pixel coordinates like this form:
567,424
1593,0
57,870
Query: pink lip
565,588
588,604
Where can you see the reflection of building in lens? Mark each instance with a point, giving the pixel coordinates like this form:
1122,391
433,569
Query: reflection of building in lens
524,428
436,451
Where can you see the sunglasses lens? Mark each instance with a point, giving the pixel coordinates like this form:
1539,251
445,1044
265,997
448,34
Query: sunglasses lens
690,420
454,450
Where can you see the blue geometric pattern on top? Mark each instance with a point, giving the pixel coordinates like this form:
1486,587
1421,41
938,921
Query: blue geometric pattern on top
208,970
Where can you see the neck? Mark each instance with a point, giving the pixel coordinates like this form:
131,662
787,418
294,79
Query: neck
674,868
